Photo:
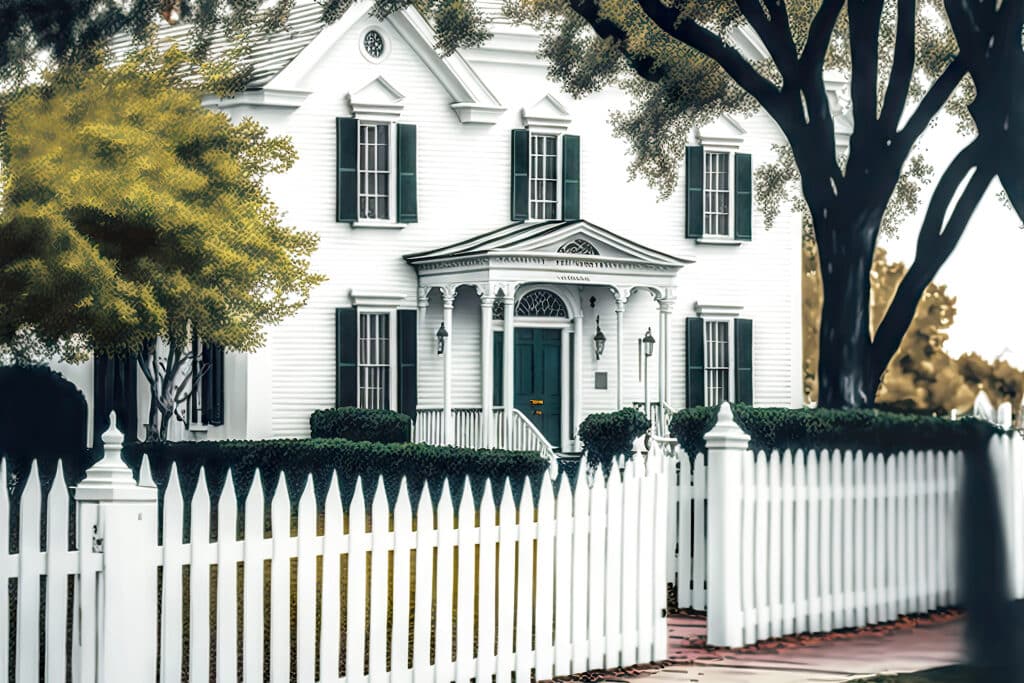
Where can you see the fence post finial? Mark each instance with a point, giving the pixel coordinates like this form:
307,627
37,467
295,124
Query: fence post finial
983,407
727,445
111,478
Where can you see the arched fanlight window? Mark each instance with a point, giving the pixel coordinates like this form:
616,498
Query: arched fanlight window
579,246
541,303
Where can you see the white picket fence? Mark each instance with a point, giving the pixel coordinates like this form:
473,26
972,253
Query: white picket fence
569,580
772,544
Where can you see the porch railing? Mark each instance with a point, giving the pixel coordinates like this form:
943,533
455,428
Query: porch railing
468,432
660,415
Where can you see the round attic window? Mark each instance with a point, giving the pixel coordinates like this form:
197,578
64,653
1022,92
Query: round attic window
374,47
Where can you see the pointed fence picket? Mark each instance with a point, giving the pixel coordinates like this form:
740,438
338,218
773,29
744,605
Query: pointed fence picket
833,539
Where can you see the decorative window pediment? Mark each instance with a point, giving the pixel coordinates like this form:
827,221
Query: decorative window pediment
726,132
547,115
377,100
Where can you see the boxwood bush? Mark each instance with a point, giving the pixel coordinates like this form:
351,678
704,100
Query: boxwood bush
608,435
869,430
297,459
360,424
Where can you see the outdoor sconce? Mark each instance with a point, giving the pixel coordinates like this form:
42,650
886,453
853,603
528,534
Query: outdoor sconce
599,340
648,344
442,335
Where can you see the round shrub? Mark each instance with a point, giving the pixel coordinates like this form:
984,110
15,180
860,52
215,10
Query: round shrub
360,424
609,435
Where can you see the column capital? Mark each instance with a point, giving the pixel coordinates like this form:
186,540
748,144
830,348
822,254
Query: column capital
448,293
486,300
665,304
488,290
508,291
423,296
621,295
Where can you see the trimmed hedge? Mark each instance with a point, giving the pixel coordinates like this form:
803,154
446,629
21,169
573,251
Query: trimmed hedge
608,435
360,424
868,430
298,459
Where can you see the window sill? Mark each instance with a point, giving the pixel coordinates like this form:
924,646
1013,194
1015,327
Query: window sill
379,225
198,429
725,241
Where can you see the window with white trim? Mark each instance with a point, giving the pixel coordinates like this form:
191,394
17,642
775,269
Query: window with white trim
717,194
543,176
374,361
375,176
716,361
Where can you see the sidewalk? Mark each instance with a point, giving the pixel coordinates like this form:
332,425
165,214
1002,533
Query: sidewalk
898,650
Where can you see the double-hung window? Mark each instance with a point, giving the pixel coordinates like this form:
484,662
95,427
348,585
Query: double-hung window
716,362
375,174
374,376
543,177
719,357
718,195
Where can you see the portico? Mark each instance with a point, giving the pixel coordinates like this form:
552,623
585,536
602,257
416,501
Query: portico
530,279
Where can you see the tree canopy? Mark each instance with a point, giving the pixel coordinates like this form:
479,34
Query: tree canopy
687,62
130,213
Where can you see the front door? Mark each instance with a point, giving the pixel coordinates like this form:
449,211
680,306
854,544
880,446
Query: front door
538,387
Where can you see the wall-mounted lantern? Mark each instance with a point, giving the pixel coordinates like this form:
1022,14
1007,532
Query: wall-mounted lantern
599,340
442,336
648,343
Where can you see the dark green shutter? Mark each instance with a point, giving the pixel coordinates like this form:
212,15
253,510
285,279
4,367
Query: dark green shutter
407,173
694,362
407,362
499,374
694,192
346,340
742,168
347,191
744,337
213,384
520,175
570,177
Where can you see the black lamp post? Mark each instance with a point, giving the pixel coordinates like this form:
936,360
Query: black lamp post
648,346
599,340
442,335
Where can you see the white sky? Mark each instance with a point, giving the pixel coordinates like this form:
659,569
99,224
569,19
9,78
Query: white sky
984,272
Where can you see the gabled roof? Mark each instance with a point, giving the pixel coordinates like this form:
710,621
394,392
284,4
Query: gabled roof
550,237
271,53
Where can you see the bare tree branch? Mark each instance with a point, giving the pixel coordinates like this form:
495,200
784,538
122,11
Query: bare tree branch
774,33
818,37
929,106
671,21
936,242
902,72
865,17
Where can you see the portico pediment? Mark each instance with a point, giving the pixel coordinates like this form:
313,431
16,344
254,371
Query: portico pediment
553,251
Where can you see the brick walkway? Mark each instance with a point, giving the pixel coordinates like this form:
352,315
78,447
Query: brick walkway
908,645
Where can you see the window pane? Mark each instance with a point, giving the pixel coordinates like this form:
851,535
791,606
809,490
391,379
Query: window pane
543,176
374,162
374,353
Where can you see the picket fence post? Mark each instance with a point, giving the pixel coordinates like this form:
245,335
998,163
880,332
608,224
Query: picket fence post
727,446
126,536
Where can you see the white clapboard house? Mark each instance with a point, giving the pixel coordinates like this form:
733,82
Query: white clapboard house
467,201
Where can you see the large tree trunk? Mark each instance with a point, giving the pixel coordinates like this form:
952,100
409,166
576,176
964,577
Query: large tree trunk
845,376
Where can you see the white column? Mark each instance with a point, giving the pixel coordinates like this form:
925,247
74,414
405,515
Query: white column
565,389
727,446
577,380
122,520
665,372
508,356
448,296
486,369
620,309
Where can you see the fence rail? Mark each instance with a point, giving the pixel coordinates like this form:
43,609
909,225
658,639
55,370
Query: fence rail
437,588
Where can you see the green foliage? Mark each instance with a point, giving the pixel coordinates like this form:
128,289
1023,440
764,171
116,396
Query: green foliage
132,213
299,459
360,424
866,430
609,435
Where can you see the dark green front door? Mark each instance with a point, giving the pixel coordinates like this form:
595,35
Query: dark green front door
538,373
